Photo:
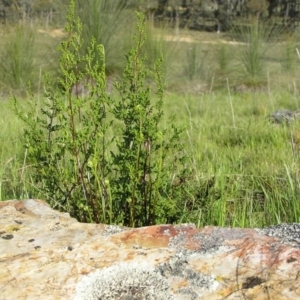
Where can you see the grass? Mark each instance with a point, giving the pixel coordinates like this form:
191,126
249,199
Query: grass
26,53
111,23
245,177
248,177
245,170
11,155
18,59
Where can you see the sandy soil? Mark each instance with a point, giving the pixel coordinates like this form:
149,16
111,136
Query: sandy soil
60,32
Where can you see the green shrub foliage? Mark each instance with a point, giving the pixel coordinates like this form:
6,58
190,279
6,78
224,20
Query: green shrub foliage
105,158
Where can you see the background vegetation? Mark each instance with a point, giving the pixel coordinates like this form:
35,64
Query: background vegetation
243,170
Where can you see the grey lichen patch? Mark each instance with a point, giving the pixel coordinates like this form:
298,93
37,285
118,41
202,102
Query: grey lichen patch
287,233
284,116
178,267
113,229
134,281
208,243
175,266
190,294
178,242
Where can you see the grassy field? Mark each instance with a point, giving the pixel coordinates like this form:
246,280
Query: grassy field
245,170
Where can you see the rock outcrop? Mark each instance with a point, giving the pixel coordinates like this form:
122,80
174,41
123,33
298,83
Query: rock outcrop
45,254
284,116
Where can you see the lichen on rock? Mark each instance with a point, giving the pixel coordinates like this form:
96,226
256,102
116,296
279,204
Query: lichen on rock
124,281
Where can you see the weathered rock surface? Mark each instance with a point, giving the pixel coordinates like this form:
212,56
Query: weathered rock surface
45,254
284,116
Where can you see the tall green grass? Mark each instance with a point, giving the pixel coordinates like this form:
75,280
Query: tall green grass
257,40
246,177
25,55
18,60
159,45
111,23
12,178
195,62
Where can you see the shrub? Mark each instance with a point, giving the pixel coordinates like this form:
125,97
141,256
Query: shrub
133,178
